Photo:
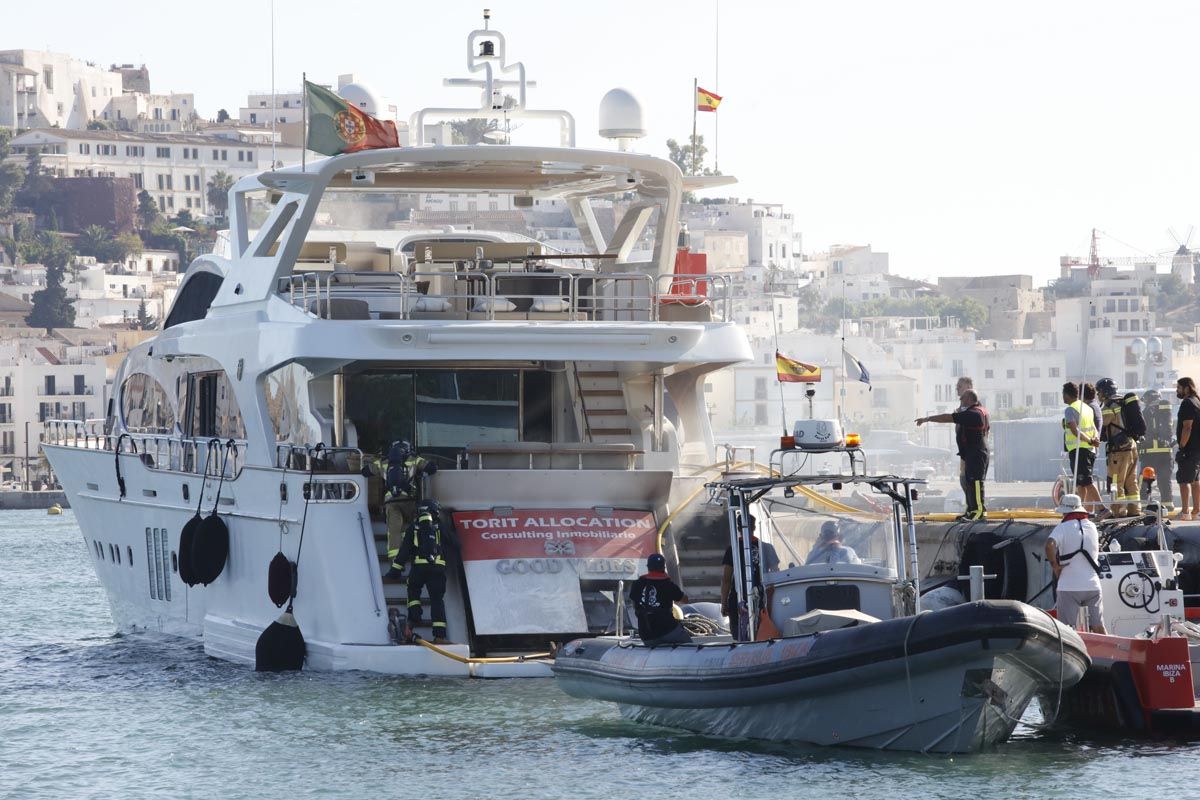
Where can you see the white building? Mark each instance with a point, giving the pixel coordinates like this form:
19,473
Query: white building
288,107
1019,375
40,380
174,168
43,89
770,235
153,113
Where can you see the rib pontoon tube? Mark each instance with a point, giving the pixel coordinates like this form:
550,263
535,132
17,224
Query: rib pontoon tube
953,680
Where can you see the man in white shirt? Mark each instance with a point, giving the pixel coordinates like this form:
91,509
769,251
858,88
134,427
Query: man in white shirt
1072,550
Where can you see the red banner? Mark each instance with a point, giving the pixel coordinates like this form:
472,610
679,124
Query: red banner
555,533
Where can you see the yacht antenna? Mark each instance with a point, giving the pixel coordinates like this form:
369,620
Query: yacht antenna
274,115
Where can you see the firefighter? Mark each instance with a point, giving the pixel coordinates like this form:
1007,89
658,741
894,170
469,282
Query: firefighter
1156,446
1122,425
425,544
402,471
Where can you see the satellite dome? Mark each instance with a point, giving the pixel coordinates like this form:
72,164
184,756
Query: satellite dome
361,97
621,116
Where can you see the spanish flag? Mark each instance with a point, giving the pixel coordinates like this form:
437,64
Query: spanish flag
706,100
791,371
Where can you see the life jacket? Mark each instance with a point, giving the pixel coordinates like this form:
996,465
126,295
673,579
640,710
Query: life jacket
1065,557
427,541
1087,427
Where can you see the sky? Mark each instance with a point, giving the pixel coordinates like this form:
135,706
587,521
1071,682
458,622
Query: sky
961,138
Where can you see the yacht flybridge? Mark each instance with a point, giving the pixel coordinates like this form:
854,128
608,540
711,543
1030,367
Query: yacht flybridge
522,315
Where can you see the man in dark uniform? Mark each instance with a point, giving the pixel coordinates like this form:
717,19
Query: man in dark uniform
731,603
653,596
971,428
1156,447
402,471
425,544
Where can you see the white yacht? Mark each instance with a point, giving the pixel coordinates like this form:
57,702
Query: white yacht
414,293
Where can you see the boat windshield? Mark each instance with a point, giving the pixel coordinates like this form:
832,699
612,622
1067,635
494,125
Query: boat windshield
804,538
626,225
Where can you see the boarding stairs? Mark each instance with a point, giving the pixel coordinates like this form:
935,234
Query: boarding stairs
600,409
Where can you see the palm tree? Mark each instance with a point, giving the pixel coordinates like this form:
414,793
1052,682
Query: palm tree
218,192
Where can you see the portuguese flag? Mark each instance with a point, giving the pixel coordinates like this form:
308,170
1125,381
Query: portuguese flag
335,126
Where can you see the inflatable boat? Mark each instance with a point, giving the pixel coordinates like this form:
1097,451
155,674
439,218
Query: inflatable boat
948,681
836,647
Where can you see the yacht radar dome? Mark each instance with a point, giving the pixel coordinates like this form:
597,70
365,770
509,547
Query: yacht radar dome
621,117
361,97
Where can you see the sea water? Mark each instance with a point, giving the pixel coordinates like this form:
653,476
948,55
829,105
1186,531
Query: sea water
88,713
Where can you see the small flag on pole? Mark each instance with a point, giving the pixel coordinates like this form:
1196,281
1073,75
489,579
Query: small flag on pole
706,100
335,126
855,369
789,370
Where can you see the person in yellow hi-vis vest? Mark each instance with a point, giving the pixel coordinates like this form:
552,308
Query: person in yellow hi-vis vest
1123,424
402,471
1081,437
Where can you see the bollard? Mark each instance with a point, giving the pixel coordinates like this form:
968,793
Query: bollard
976,578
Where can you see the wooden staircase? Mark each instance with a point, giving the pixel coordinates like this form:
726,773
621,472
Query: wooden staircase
600,403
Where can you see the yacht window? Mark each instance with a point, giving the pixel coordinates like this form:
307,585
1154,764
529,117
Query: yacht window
443,411
287,398
212,409
194,298
145,405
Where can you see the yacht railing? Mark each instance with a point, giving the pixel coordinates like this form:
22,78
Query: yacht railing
159,451
482,294
301,458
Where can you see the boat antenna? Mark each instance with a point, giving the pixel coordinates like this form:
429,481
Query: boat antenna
782,407
274,115
716,85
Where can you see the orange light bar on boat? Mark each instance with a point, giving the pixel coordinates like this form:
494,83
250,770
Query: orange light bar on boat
853,440
787,442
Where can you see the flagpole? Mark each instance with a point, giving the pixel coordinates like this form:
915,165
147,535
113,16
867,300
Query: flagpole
695,108
842,371
304,122
717,86
782,406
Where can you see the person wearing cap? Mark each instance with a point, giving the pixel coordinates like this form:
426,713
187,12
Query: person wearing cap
829,548
653,596
1156,447
1072,551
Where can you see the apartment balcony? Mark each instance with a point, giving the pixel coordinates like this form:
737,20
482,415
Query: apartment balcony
88,391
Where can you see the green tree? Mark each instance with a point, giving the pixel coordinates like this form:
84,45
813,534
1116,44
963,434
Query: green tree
92,241
100,125
12,173
218,192
144,320
37,190
51,307
147,211
222,115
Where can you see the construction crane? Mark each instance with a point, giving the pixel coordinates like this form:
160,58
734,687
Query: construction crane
1180,260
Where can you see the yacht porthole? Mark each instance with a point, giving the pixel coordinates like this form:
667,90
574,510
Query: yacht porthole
111,557
673,339
174,562
129,555
406,337
237,289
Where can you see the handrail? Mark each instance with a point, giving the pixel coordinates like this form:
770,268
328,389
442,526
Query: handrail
331,459
158,451
587,425
594,295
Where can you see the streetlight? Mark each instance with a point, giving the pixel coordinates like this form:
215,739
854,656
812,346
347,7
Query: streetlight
1147,352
